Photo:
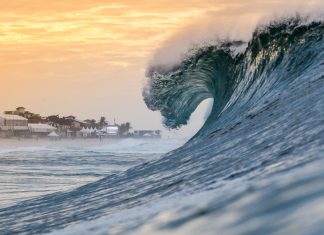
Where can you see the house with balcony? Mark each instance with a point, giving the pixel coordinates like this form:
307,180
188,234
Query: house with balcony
13,125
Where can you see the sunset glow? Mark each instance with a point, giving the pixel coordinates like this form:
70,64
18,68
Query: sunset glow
54,51
89,57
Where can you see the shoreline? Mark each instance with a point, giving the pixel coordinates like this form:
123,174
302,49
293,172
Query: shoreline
64,142
15,142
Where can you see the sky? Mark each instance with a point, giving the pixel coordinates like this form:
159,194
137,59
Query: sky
88,57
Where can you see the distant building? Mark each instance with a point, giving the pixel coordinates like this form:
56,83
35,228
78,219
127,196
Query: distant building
89,123
112,130
13,125
88,132
10,120
75,124
147,133
18,111
74,128
39,130
21,110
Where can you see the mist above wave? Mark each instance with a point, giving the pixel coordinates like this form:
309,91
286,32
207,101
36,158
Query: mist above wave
233,21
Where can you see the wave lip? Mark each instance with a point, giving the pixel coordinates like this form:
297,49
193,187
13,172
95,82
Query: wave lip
177,91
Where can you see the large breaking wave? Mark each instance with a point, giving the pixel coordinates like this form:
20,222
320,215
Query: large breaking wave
266,128
218,72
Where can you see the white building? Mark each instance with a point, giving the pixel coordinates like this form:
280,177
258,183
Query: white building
8,120
112,130
147,133
11,125
40,129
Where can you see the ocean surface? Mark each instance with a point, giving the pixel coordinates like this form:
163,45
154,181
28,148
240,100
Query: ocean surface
44,167
255,167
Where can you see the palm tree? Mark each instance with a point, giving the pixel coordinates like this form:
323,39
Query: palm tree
128,126
124,128
102,122
35,118
53,118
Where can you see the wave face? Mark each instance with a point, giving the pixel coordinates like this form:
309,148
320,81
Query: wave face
265,129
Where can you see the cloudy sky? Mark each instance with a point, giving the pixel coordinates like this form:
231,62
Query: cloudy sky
88,57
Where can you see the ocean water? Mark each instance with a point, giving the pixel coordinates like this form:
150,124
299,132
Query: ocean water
44,167
255,167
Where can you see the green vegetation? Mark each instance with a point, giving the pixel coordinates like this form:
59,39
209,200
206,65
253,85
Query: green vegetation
68,122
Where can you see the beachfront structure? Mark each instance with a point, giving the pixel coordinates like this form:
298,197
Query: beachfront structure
147,133
88,132
18,111
111,130
53,136
21,111
75,127
8,120
74,123
13,125
39,129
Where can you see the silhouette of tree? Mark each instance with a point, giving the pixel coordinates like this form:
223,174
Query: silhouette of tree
124,128
93,123
102,122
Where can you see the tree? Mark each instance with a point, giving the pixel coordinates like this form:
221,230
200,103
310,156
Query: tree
93,123
128,126
102,122
35,118
53,119
124,128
